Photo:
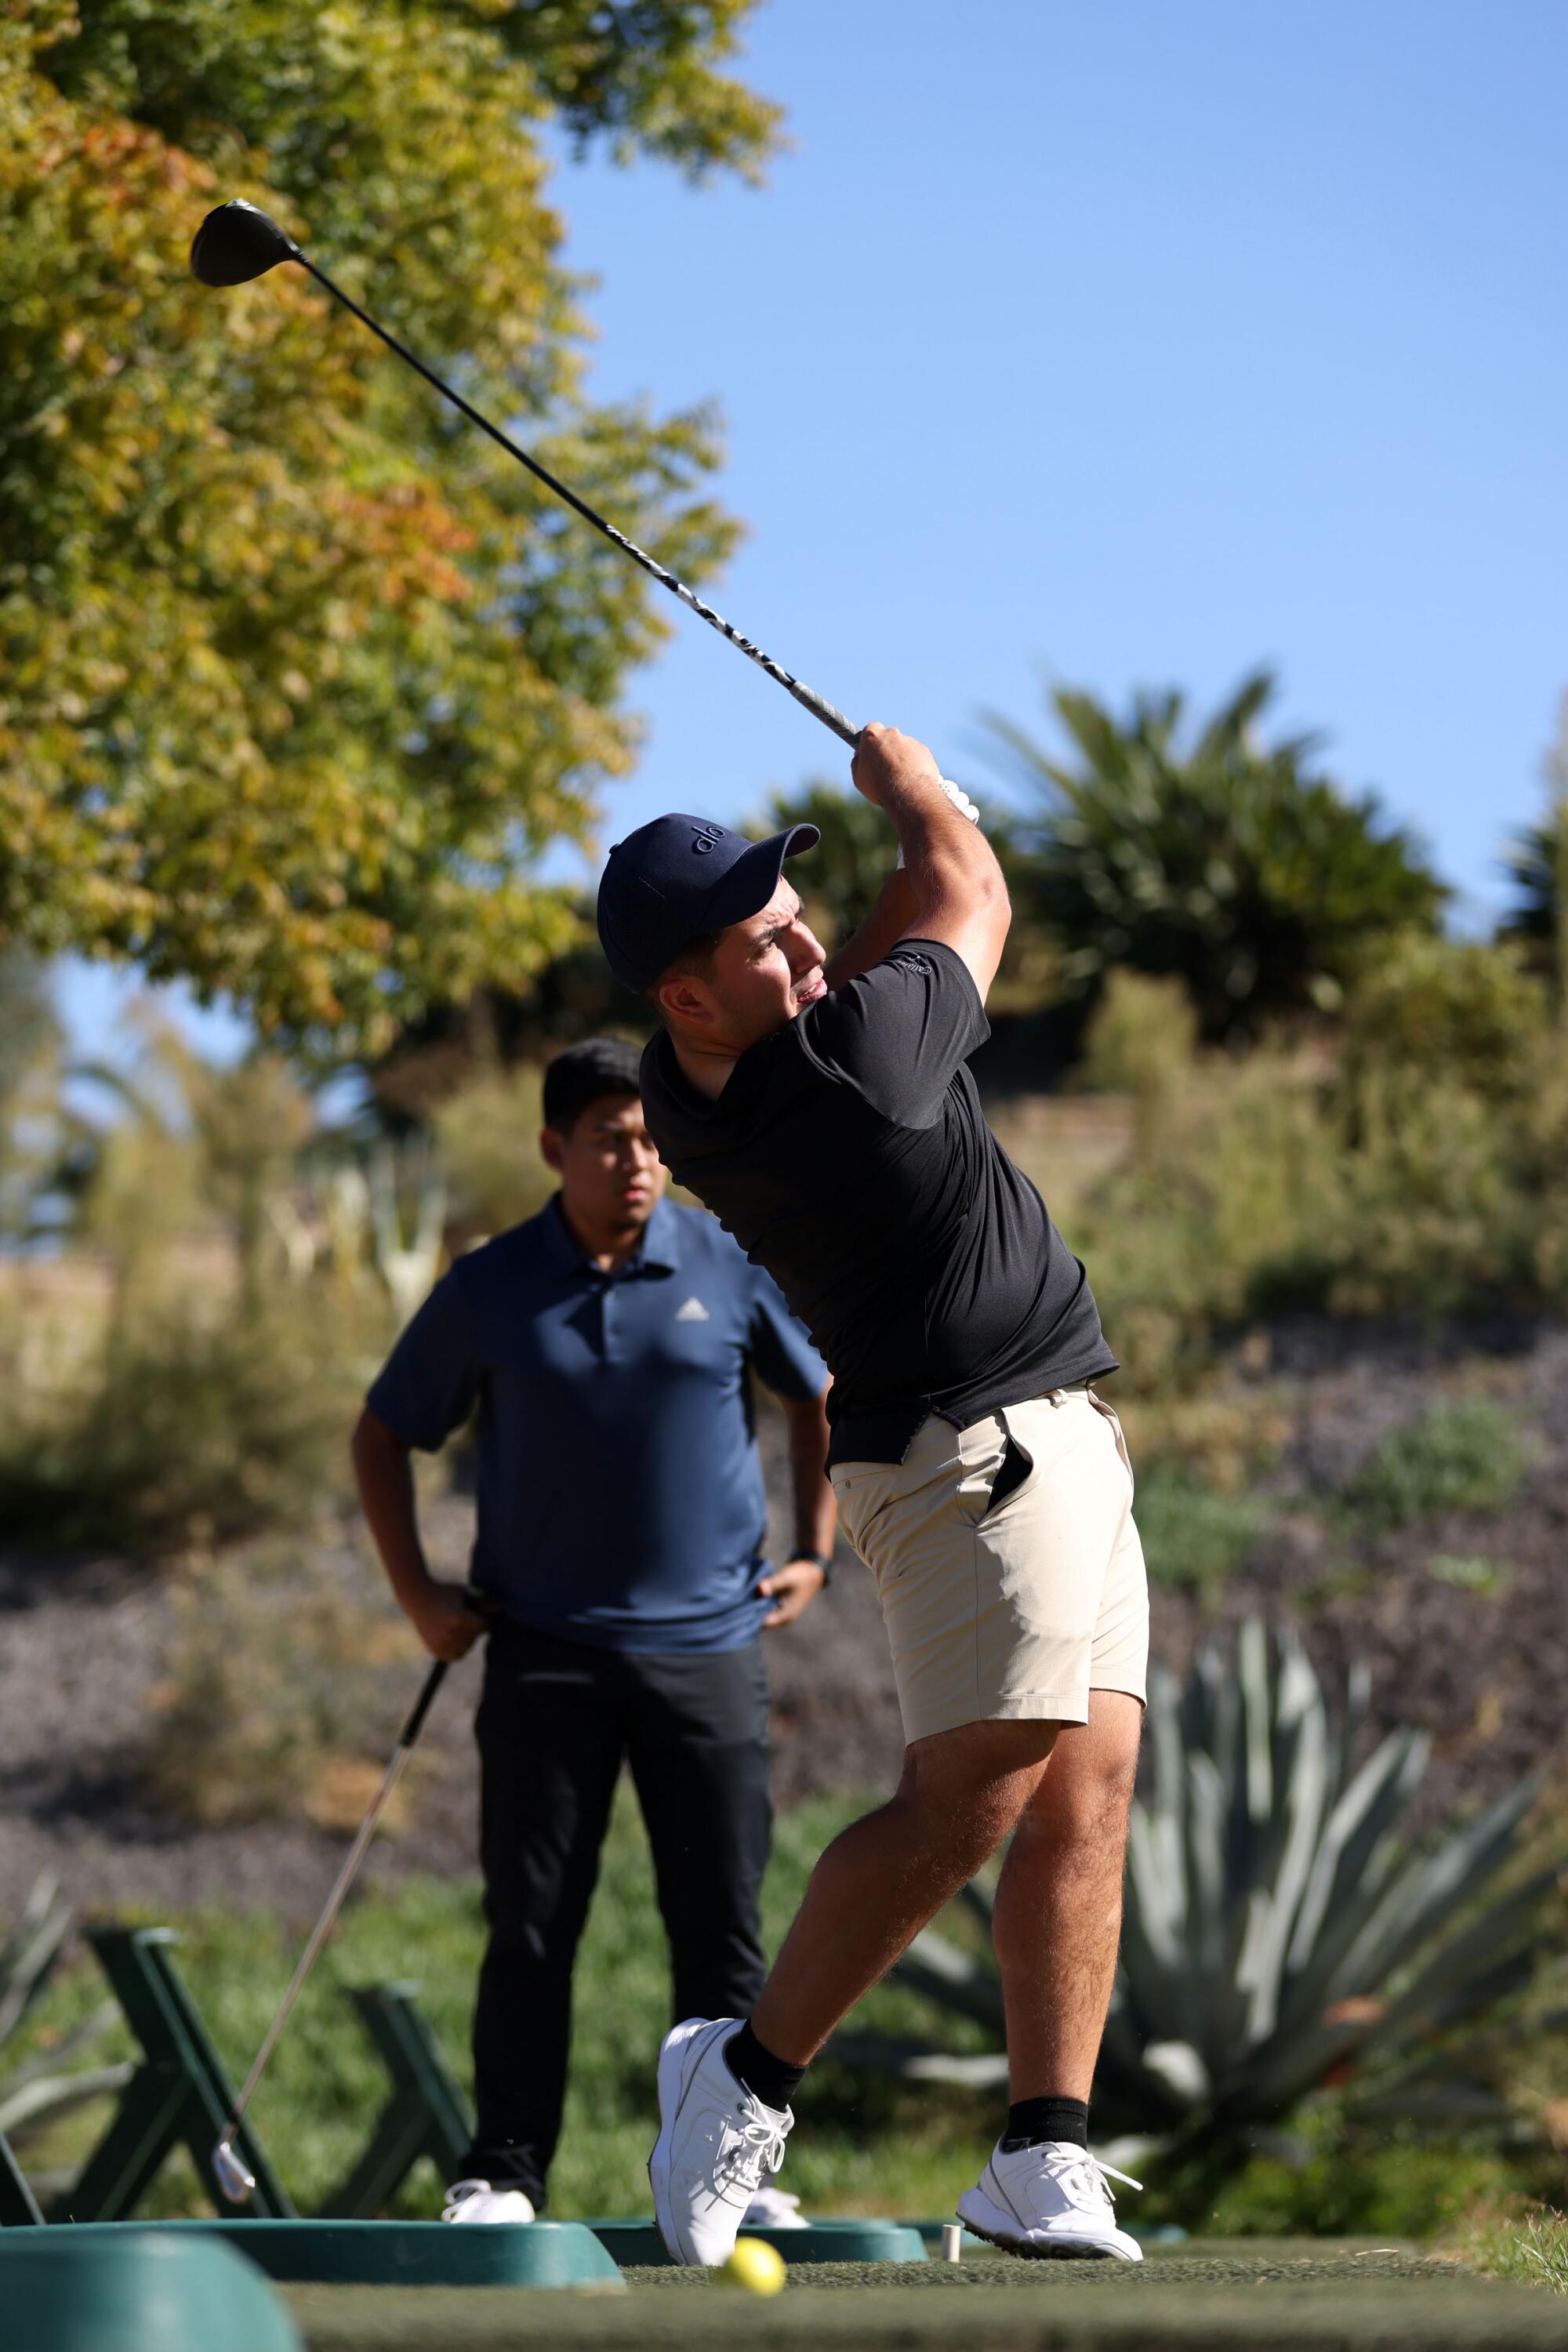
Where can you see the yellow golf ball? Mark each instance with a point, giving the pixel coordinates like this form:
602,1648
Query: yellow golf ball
757,2267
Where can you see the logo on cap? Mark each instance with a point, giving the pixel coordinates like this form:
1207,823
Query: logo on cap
706,838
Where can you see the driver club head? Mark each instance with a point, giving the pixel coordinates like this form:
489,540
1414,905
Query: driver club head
238,242
235,2177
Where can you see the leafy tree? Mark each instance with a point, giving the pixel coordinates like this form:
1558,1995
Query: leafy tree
642,73
1220,859
296,675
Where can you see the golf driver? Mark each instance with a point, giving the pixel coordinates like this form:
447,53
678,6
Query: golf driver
238,242
235,2176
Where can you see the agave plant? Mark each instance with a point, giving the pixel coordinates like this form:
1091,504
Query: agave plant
1281,1929
42,2088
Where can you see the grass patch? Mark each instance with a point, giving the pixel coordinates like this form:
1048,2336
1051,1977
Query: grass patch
1530,2250
284,1680
1472,1572
1394,2184
1463,1457
188,1432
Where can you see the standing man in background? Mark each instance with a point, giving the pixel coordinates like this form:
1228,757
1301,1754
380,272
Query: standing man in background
608,1345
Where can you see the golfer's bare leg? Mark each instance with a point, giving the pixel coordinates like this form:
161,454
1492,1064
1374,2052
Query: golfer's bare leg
885,1876
1059,1903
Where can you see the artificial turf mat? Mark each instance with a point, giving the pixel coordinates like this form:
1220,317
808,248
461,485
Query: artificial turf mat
1290,2295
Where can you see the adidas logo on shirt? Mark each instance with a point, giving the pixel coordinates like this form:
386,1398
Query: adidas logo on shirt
692,1312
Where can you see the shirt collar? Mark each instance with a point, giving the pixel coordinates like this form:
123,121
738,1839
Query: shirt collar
660,1252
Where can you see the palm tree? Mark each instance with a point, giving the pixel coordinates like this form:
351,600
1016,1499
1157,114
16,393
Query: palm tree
1219,858
1537,865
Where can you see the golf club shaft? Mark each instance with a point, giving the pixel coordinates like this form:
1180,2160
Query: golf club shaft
346,1878
804,695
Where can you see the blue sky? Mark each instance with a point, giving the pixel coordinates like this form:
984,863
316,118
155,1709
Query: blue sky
1130,343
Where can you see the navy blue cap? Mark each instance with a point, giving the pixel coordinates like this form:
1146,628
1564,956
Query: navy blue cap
681,876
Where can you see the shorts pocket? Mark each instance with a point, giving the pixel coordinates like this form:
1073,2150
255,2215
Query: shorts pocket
1016,1465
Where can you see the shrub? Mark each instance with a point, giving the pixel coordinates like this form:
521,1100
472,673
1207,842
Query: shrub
1194,1536
185,1432
1463,1457
1141,1038
1228,1206
487,1133
1451,1012
1270,1185
276,1688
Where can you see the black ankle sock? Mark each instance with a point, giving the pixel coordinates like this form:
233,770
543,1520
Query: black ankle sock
766,2077
1032,2119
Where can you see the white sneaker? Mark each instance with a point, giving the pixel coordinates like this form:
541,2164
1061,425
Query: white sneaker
774,2208
476,2200
717,2144
1050,2198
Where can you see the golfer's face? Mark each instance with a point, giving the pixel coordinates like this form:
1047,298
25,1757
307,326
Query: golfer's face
767,969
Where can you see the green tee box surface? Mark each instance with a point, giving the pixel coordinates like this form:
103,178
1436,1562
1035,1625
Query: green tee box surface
133,2290
636,2243
389,2253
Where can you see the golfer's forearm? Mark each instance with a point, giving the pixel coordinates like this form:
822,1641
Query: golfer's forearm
952,868
816,1512
895,910
383,1474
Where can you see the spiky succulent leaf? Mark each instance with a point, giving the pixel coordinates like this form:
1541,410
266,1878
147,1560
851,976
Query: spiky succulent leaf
45,2086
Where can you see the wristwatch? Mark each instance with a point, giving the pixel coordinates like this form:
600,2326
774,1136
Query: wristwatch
823,1561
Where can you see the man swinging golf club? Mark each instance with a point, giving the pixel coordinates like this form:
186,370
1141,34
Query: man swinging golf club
823,1112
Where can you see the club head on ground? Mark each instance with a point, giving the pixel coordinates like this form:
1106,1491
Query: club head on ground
238,242
234,2176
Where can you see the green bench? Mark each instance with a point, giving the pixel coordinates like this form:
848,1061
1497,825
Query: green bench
425,2114
178,2094
19,2205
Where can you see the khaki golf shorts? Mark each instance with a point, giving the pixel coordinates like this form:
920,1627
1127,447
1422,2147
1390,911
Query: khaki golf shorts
1014,1610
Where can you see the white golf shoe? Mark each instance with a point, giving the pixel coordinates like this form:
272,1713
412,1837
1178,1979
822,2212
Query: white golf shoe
717,2144
774,2208
476,2200
1049,2199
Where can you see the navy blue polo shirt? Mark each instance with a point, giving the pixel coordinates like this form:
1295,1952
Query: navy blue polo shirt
620,1496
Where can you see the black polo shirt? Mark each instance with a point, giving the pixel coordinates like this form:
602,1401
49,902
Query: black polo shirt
848,1155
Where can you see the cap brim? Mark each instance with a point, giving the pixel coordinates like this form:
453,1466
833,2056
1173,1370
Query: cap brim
750,882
